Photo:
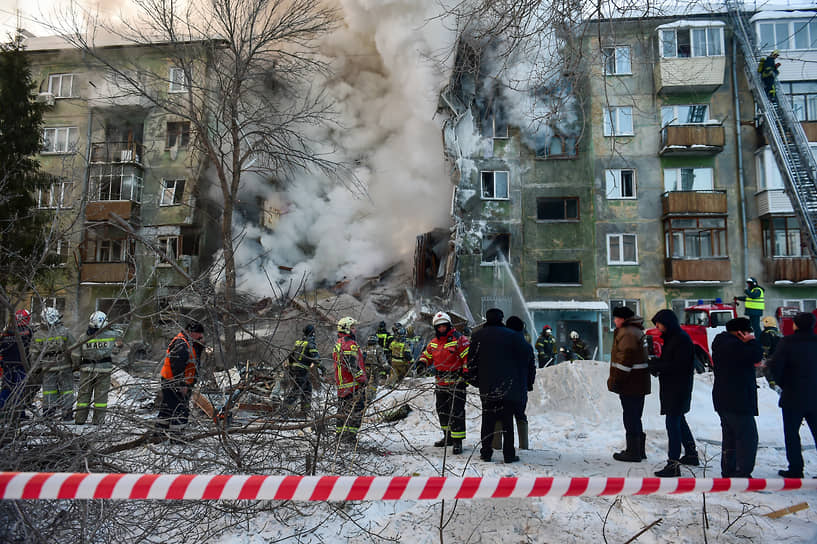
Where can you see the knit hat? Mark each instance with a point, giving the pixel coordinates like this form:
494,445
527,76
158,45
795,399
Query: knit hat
804,321
739,324
623,312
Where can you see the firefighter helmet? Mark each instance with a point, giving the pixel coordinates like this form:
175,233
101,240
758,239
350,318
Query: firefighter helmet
574,335
309,330
752,281
22,317
371,340
346,324
440,318
97,320
51,315
769,321
546,328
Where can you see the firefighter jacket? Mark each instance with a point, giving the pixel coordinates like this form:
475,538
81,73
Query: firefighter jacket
768,69
49,347
305,353
96,350
579,350
10,349
448,355
545,348
375,360
629,371
350,370
400,352
181,363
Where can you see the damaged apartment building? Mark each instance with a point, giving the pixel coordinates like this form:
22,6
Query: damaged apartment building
657,185
128,200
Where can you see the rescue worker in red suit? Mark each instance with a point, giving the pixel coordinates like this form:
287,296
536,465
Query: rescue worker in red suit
447,353
179,373
350,379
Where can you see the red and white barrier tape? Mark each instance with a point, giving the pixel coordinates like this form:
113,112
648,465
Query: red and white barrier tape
58,485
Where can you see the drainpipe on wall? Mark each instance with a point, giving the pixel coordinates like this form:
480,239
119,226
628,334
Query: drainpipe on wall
739,143
81,216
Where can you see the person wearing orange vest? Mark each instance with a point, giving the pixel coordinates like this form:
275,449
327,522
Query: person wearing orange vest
178,377
447,353
350,379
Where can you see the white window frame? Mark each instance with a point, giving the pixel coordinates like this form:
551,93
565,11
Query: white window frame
56,90
676,172
52,135
616,53
631,303
675,119
693,52
168,191
493,181
615,188
620,260
170,245
177,80
61,249
792,34
612,121
802,303
64,195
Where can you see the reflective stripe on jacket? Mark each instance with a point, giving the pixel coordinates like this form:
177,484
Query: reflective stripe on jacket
449,357
350,370
754,302
304,354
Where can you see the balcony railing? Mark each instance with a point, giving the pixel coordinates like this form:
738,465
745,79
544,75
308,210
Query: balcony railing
106,272
117,152
689,74
703,270
697,202
102,210
691,140
794,269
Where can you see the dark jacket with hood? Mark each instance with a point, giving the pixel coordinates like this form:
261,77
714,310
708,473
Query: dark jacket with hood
675,367
629,373
498,361
794,367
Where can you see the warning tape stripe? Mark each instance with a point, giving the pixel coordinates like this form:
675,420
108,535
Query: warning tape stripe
34,485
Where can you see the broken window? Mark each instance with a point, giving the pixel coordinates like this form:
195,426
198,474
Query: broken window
620,183
61,85
172,192
178,80
178,134
558,272
60,139
496,248
494,185
557,209
170,246
616,60
622,249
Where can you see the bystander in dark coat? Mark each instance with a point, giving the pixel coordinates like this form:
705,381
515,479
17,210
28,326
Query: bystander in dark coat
734,395
516,324
498,363
794,368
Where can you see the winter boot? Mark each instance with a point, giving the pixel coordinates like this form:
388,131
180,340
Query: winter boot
632,454
497,443
522,431
643,445
690,459
790,473
457,448
444,441
672,470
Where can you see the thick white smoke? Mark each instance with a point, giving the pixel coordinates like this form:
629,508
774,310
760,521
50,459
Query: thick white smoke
389,61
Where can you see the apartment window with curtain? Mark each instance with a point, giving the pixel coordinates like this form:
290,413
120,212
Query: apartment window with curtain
688,179
617,60
695,237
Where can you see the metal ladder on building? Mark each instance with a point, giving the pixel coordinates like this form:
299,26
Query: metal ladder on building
783,132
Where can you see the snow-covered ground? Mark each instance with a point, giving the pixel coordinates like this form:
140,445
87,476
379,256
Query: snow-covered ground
575,425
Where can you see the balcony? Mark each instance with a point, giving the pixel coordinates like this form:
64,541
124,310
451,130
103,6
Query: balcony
691,140
117,152
793,269
101,210
106,272
698,270
773,201
697,202
689,74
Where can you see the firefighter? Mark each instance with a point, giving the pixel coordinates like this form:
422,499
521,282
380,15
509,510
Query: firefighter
578,348
95,369
401,358
12,396
301,361
50,350
350,378
376,365
179,373
754,304
769,70
447,354
545,347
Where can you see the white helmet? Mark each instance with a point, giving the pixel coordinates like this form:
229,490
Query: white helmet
574,335
51,316
98,320
440,318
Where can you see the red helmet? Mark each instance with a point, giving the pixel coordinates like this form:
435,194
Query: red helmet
23,318
546,328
